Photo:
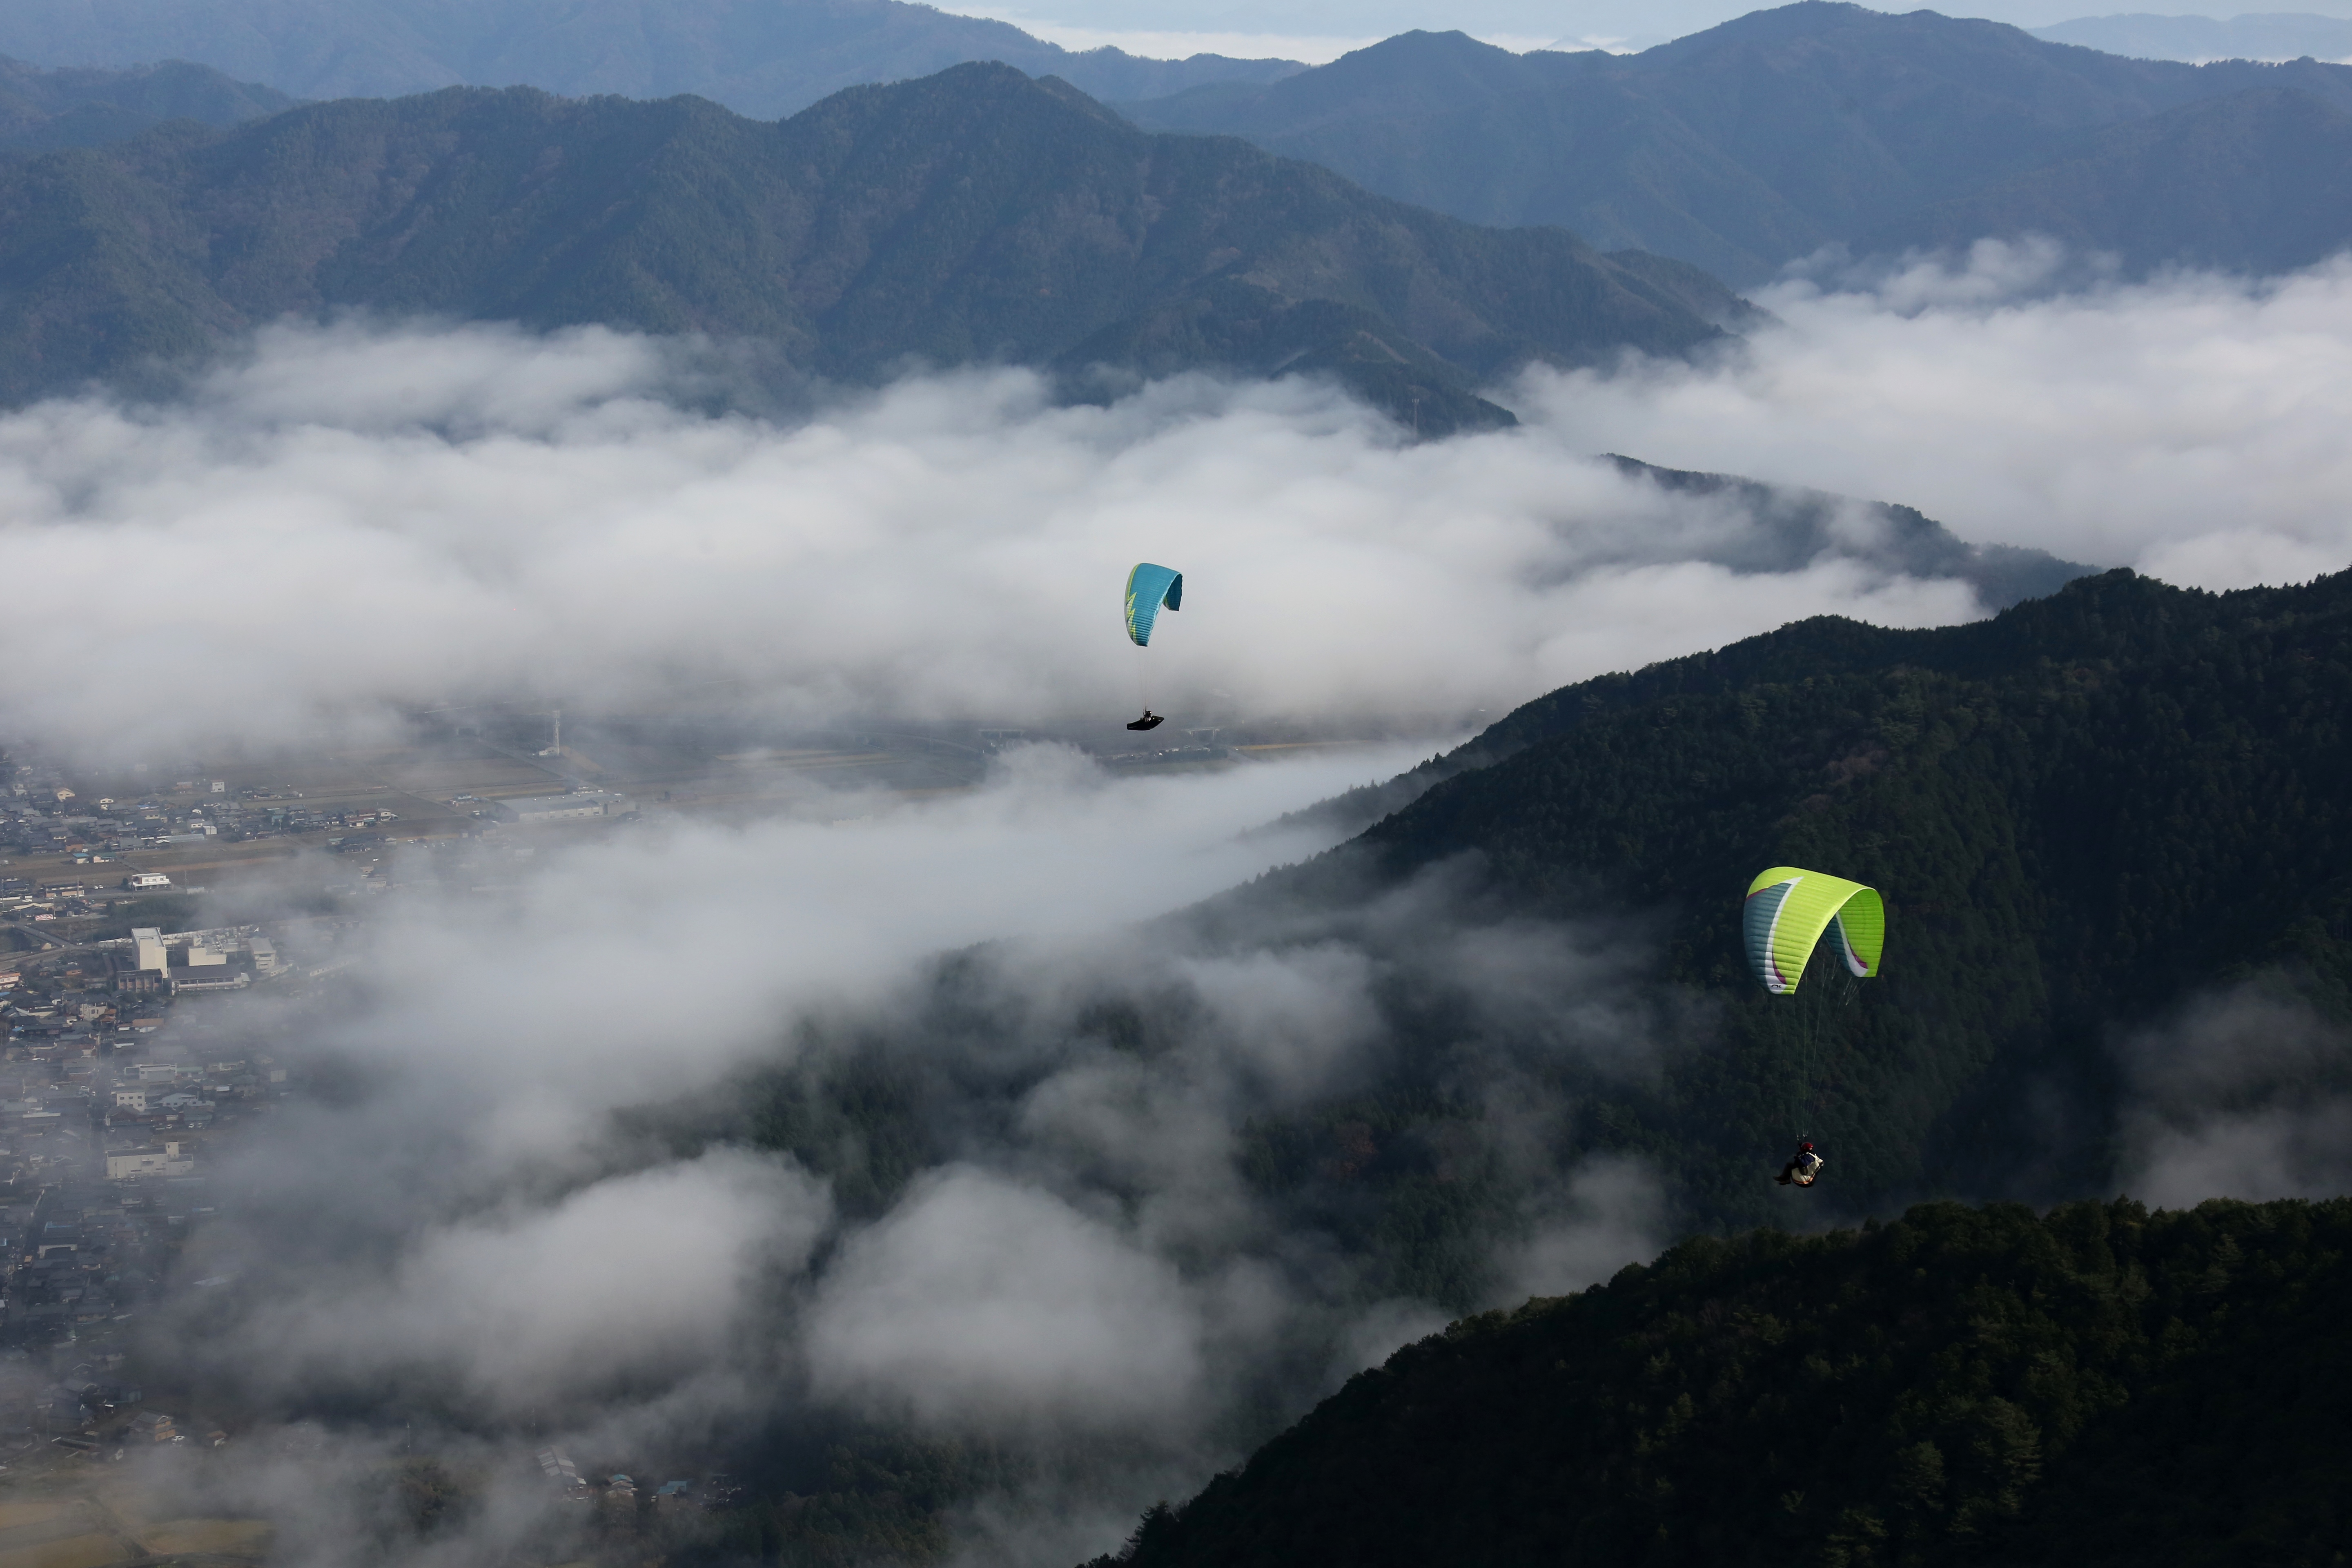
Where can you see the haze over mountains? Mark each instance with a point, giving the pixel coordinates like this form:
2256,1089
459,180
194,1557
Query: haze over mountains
43,109
2260,35
1757,143
761,57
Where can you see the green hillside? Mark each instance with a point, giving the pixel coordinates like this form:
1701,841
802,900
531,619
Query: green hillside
1758,142
974,217
2100,1385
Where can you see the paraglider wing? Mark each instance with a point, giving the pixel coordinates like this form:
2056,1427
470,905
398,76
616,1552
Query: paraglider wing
1148,588
1788,912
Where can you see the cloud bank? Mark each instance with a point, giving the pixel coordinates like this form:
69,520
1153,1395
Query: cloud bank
2245,1093
1076,1271
2190,427
356,517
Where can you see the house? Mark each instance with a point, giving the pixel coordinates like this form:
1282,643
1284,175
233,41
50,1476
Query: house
153,1426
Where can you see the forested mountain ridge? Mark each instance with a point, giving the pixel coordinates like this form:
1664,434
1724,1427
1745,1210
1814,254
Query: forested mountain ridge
975,215
1757,143
40,110
760,58
2081,812
2099,1386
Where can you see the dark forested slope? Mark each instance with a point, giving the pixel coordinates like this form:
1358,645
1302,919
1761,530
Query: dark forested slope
2102,1386
2080,812
973,215
1760,141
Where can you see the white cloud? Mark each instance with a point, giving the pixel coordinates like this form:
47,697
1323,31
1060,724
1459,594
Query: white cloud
356,517
1612,1212
980,1300
535,1309
2243,1094
2191,426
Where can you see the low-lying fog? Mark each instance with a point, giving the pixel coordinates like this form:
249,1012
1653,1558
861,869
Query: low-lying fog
360,516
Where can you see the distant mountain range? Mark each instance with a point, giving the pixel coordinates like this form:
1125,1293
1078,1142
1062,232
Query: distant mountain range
761,57
41,109
2263,35
1752,144
973,217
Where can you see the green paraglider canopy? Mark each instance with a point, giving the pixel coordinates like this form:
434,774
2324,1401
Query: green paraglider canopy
1788,908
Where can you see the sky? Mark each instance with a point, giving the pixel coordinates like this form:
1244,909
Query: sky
1317,31
363,515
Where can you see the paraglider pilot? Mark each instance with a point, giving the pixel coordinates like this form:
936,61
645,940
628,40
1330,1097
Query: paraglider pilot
1149,590
1802,1168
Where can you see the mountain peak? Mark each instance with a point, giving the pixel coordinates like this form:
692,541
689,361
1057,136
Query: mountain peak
973,217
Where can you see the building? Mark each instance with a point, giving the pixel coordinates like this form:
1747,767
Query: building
152,953
567,807
139,880
237,982
130,1164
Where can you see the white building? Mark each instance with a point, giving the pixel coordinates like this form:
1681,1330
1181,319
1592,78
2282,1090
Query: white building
147,879
565,807
152,953
171,1160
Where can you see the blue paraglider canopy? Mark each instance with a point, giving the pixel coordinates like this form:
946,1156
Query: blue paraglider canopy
1148,588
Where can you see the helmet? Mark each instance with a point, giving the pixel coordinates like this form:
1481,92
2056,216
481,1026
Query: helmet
1806,1146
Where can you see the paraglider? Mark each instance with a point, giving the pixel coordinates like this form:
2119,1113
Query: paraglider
1788,909
1149,588
1787,913
1804,1169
